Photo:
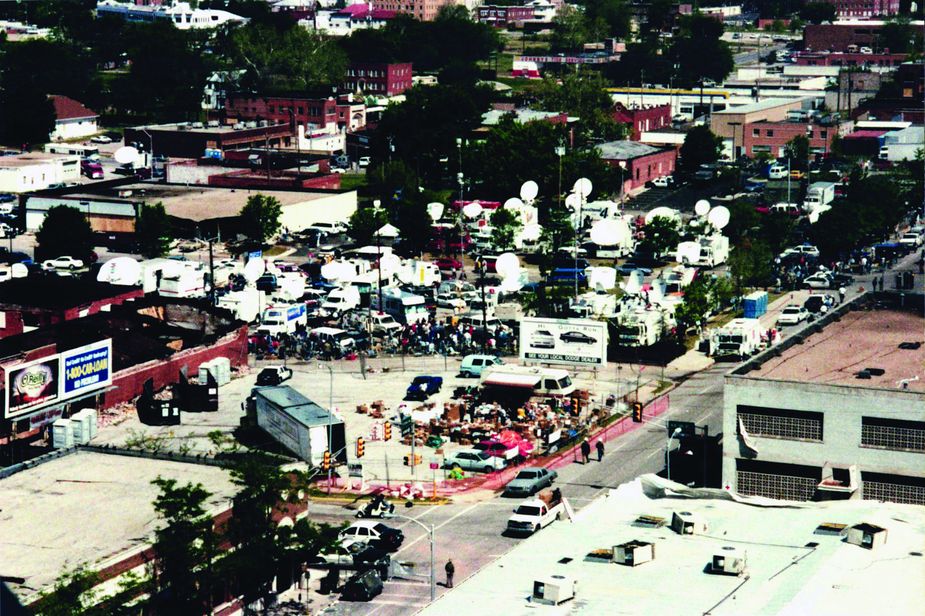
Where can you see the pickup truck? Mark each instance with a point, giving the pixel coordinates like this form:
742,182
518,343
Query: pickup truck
532,515
422,387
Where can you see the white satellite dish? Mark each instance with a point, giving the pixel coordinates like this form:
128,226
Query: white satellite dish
120,271
688,253
602,278
572,201
582,187
19,270
609,232
254,269
126,155
511,284
702,207
662,212
529,190
719,216
633,284
389,263
531,233
513,204
657,291
472,210
435,210
507,264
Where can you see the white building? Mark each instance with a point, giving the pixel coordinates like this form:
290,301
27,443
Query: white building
903,144
624,554
181,14
343,22
36,171
72,119
837,415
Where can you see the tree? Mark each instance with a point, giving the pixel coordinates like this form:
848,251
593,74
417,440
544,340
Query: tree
414,221
750,264
900,37
615,15
583,94
506,224
797,151
73,594
571,29
661,236
364,223
184,548
696,306
699,52
260,217
700,146
818,12
153,230
65,231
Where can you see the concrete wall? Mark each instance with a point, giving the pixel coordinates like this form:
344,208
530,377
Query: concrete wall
74,129
336,207
842,405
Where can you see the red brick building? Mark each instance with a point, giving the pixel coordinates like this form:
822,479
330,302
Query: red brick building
378,79
838,36
820,58
772,137
845,9
642,119
500,16
638,163
317,112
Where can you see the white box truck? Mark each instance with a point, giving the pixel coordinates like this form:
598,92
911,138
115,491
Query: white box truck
714,250
819,195
283,319
738,338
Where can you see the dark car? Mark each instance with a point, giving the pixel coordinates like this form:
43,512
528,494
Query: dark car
577,337
273,375
627,268
422,387
266,283
363,586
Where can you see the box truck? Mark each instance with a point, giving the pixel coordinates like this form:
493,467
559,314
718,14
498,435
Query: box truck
818,196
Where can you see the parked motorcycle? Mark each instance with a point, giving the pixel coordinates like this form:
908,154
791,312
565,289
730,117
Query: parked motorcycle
376,508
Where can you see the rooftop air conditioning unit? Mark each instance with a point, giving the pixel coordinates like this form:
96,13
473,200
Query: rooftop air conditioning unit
554,590
182,126
867,535
197,125
238,126
251,124
633,553
687,523
730,561
264,123
213,124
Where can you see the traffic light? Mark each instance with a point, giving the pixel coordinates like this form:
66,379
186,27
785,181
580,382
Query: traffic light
361,446
637,412
417,459
387,430
409,462
326,461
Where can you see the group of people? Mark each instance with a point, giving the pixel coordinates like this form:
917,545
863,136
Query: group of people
436,337
586,450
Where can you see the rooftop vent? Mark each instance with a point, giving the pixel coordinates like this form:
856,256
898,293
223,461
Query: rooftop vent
729,561
867,535
830,528
554,590
687,523
633,553
650,521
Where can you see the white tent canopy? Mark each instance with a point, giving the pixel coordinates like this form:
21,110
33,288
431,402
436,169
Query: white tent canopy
388,230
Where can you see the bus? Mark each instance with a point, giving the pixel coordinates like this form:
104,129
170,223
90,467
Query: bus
406,308
73,149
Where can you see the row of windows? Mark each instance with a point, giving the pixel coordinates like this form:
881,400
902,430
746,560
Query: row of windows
399,72
894,434
779,487
756,132
780,423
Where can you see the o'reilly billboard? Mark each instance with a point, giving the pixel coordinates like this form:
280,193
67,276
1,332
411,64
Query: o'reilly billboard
575,342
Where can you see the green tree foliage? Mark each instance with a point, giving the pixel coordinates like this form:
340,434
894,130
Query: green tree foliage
260,217
700,146
614,14
558,231
582,94
365,222
750,264
73,594
507,225
818,12
696,306
153,230
392,181
900,37
699,52
662,235
414,221
572,28
185,547
65,231
797,151
292,59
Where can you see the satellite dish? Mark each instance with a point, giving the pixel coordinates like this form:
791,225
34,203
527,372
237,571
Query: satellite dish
472,210
389,263
120,271
663,212
657,291
511,284
688,253
531,233
609,232
529,190
572,201
633,284
126,155
435,210
602,278
507,264
719,216
254,269
702,207
513,204
19,270
582,187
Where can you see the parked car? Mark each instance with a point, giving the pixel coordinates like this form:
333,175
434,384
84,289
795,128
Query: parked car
629,267
362,587
819,303
447,263
663,182
423,387
577,337
364,161
63,262
529,481
101,139
819,280
449,300
792,315
273,375
542,339
473,460
473,365
388,538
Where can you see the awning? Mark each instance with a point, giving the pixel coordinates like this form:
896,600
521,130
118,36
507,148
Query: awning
530,381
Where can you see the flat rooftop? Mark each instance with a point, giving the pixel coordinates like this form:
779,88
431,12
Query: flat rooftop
784,574
33,158
208,130
87,508
56,292
768,103
861,339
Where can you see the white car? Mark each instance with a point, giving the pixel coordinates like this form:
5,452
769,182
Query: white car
792,315
449,300
542,339
100,139
818,280
338,170
474,460
64,262
364,161
911,238
663,182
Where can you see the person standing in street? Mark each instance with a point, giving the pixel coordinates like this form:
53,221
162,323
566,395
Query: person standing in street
450,571
600,450
842,292
585,451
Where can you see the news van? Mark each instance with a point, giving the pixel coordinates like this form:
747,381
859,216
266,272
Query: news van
538,381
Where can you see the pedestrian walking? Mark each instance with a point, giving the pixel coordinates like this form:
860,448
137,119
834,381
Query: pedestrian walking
450,571
600,450
842,292
585,451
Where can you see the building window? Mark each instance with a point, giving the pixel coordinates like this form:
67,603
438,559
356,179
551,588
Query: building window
893,488
769,133
894,434
776,480
756,132
781,423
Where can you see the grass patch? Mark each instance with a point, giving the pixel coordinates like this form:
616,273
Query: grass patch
353,181
275,250
662,386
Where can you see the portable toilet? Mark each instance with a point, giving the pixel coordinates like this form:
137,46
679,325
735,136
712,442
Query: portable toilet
222,370
62,435
755,304
205,368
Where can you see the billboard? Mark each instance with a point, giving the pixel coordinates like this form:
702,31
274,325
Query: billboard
39,383
576,342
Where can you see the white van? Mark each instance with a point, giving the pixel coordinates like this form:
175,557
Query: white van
336,337
777,172
547,382
786,208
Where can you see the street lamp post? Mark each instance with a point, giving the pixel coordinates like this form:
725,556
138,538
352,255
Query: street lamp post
330,419
560,152
676,432
431,535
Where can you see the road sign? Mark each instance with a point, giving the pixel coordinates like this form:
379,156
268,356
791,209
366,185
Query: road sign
354,470
407,425
688,429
